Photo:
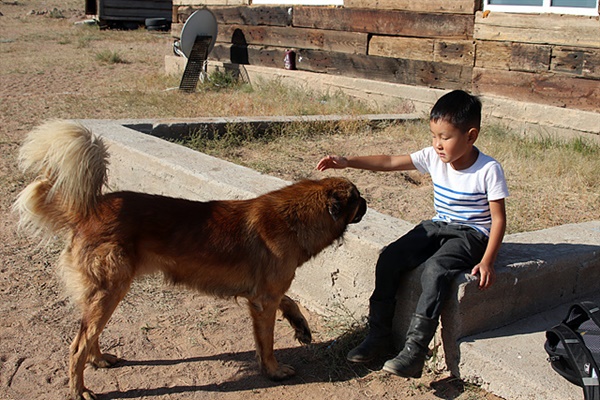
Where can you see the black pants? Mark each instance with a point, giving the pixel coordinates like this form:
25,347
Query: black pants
444,249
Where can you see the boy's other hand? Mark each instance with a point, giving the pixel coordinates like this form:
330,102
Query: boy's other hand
332,162
487,275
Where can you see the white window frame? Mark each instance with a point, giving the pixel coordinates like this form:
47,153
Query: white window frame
302,2
545,8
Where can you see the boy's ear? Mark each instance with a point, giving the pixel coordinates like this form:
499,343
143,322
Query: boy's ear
473,134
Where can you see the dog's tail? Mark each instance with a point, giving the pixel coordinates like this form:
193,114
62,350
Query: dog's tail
71,165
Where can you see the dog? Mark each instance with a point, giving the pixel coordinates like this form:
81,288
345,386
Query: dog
225,248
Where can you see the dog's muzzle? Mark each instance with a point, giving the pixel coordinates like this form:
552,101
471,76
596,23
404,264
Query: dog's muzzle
360,212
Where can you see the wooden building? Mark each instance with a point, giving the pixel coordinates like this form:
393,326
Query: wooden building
545,58
128,11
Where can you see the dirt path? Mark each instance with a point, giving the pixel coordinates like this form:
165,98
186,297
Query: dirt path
175,344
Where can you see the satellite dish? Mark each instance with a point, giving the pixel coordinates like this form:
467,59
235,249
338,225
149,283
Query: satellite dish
198,38
200,23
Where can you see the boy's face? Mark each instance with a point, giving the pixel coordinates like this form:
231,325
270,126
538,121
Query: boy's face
452,145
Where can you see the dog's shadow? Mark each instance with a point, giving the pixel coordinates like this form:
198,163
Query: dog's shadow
320,362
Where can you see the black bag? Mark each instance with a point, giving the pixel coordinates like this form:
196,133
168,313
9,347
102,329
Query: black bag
573,347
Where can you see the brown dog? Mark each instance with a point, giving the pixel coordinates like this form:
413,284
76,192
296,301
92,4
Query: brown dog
241,248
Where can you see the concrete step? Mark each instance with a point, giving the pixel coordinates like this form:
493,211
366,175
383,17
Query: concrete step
512,363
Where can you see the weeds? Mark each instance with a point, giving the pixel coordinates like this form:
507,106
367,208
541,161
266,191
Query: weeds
110,57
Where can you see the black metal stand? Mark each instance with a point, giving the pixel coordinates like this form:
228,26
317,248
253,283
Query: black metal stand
195,64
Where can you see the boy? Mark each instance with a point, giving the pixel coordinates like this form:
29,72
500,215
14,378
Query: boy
466,232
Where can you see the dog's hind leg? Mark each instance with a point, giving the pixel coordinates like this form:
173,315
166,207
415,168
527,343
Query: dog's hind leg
292,313
263,314
98,307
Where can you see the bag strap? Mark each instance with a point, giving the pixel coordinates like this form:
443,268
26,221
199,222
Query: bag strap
590,309
581,360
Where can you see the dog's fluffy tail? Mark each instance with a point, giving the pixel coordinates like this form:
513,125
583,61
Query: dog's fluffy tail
71,165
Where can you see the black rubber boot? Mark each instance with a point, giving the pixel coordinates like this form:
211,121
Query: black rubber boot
410,361
379,339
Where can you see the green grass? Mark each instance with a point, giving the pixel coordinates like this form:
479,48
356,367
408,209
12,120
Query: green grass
110,57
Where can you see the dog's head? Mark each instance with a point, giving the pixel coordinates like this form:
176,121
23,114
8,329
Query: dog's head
344,200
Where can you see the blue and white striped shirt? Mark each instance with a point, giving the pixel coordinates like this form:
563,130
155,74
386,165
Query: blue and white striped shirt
463,197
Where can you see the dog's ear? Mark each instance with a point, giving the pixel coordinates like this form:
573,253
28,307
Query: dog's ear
334,206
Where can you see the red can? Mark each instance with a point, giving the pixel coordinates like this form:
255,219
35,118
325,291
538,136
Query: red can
289,61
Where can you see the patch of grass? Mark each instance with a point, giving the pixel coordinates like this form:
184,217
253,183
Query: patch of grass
56,13
110,57
222,80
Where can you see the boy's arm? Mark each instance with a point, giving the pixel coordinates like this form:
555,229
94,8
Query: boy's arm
485,268
371,163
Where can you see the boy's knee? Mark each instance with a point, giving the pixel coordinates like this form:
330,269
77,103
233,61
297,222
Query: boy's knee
433,276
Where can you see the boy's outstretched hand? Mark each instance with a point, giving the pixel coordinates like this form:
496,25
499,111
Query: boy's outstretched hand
332,162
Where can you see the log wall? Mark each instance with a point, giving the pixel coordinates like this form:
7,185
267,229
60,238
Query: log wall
443,44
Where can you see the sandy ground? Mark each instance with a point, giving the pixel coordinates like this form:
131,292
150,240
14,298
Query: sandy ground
174,344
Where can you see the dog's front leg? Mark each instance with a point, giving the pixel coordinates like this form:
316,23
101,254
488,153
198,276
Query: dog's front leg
292,313
263,320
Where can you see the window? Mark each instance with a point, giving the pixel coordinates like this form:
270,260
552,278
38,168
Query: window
578,7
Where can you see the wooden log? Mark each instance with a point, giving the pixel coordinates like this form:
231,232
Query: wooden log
530,57
545,88
429,6
513,56
244,15
253,55
495,55
460,52
401,47
566,30
344,42
576,61
387,22
210,2
411,72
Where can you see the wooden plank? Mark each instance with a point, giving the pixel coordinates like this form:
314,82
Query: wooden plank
387,22
317,39
429,6
210,2
251,15
530,57
576,61
513,56
401,47
411,72
461,52
253,55
545,88
494,55
567,30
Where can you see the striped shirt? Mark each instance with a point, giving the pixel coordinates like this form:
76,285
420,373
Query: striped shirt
462,197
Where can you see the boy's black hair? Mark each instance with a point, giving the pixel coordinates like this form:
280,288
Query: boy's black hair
458,108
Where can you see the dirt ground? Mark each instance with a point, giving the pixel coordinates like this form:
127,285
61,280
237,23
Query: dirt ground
174,344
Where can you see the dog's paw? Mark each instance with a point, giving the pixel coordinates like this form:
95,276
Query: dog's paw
303,334
283,372
105,361
85,395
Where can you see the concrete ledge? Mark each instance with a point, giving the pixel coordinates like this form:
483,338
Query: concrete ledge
536,270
